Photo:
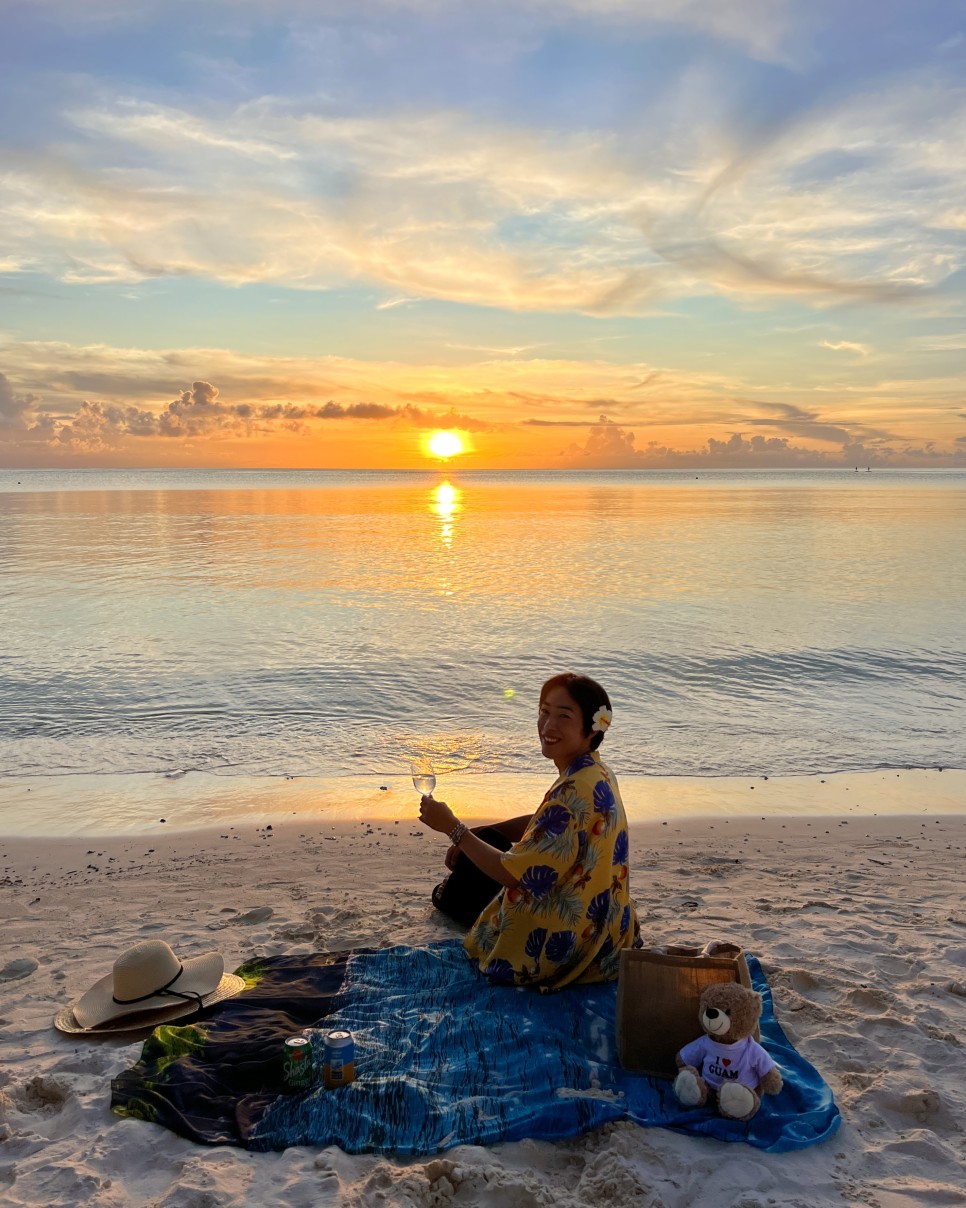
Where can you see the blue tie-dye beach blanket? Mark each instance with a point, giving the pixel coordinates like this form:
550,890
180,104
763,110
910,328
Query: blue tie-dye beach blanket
443,1058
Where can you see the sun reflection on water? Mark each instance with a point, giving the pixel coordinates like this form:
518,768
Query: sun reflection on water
446,504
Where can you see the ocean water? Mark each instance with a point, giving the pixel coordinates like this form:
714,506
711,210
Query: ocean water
332,624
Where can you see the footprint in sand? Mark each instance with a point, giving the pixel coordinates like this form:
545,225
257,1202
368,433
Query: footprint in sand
919,1103
811,987
296,932
441,1182
189,1197
865,998
98,1061
922,1104
613,1179
41,1094
18,969
898,967
332,915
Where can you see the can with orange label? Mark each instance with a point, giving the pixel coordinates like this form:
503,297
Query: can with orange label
339,1067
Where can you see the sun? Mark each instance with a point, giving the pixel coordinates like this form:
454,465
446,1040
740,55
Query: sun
444,444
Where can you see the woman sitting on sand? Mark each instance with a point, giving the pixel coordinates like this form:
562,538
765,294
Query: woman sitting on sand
565,911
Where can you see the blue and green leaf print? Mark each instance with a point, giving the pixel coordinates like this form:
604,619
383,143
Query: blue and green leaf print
499,971
566,794
604,799
535,942
563,902
591,859
584,761
560,945
621,848
598,908
504,920
554,820
610,964
485,934
538,880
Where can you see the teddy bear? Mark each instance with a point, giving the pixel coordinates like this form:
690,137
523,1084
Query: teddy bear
727,1061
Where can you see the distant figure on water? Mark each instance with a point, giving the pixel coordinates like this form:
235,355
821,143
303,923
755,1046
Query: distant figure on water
548,895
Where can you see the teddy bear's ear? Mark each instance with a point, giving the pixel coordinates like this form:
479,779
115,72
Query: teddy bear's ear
751,1007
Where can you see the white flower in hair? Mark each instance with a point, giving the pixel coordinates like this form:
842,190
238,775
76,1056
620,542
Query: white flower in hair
602,719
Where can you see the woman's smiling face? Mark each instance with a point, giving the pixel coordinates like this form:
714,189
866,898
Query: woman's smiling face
561,728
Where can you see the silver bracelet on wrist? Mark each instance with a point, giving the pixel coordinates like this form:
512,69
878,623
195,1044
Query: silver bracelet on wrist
457,833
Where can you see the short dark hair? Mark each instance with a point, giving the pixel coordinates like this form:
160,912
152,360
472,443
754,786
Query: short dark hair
586,694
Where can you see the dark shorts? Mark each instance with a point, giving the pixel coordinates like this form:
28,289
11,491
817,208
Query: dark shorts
466,892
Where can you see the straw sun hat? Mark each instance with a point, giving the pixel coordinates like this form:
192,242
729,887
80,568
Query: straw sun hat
148,986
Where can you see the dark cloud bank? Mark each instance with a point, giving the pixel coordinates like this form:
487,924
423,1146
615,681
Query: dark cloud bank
28,432
609,446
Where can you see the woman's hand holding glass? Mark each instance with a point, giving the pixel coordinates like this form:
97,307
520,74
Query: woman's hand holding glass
436,815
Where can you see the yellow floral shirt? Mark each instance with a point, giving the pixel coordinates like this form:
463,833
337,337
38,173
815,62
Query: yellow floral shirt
572,913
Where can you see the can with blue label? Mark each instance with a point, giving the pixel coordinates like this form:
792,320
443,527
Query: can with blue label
339,1068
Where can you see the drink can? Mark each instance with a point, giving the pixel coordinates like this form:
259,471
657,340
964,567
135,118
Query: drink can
340,1059
298,1064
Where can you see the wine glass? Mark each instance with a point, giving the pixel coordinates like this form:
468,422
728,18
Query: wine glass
424,776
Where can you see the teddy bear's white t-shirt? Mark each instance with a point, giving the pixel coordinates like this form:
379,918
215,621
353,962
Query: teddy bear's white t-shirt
745,1061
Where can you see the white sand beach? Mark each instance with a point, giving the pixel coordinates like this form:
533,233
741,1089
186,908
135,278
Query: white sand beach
858,920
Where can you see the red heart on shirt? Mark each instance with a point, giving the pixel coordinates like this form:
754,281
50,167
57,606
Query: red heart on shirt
726,1061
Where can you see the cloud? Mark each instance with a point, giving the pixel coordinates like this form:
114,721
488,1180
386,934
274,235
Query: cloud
801,421
562,423
951,342
788,418
846,346
610,446
198,413
512,350
445,203
13,407
392,303
760,451
495,389
411,201
58,392
734,270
